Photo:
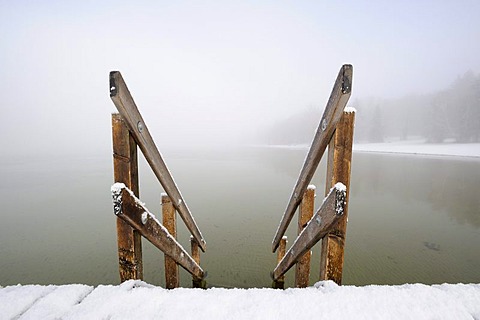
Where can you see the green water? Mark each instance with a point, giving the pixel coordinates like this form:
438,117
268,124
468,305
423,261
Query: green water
411,219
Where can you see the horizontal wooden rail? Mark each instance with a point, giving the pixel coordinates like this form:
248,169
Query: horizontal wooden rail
333,112
324,219
127,207
125,104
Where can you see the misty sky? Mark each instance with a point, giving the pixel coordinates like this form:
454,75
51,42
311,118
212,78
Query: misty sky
212,70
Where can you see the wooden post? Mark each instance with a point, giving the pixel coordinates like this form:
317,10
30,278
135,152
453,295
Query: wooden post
319,226
333,112
125,170
282,248
196,282
302,269
124,103
129,208
170,223
338,170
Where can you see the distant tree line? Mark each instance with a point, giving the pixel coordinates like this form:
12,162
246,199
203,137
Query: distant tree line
296,129
452,115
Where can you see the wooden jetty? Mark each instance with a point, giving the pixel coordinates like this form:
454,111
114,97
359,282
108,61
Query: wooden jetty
329,222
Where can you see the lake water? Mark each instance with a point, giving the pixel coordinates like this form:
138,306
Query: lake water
411,218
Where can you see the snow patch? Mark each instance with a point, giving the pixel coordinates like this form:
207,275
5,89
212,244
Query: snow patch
136,299
144,217
419,147
340,187
327,284
117,187
350,110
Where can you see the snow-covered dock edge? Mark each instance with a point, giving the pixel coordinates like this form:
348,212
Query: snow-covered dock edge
325,300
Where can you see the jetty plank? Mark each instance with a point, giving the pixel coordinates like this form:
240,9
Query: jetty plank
333,112
125,170
321,223
338,170
125,104
129,208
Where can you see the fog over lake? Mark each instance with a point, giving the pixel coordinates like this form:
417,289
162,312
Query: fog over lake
411,218
212,80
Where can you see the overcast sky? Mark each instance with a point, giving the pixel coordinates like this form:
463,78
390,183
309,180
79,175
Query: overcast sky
212,70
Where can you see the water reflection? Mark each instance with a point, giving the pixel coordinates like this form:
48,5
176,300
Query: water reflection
447,184
412,219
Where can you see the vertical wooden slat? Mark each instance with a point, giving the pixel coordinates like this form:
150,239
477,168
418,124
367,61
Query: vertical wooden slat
338,170
170,223
195,247
125,170
319,226
302,269
282,248
129,208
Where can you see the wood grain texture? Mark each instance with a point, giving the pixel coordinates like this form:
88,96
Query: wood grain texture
338,170
280,282
125,170
333,112
321,223
307,207
137,215
195,250
125,104
169,220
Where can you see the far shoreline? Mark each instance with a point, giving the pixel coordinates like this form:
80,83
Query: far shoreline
411,148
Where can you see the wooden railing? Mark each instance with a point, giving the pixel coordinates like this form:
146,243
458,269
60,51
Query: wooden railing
134,220
335,130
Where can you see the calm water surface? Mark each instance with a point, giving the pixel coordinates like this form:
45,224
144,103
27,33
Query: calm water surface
412,218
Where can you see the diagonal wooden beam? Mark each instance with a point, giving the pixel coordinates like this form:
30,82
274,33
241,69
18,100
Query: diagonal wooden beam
129,208
333,112
321,223
125,104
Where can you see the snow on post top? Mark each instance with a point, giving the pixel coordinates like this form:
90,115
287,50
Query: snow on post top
311,187
340,186
350,110
117,187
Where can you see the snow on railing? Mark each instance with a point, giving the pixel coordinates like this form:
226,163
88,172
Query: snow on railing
129,131
335,130
129,208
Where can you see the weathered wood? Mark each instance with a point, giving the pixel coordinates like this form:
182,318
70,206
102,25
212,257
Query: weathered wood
125,170
332,114
195,250
169,220
280,282
302,268
321,223
127,207
338,170
125,104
